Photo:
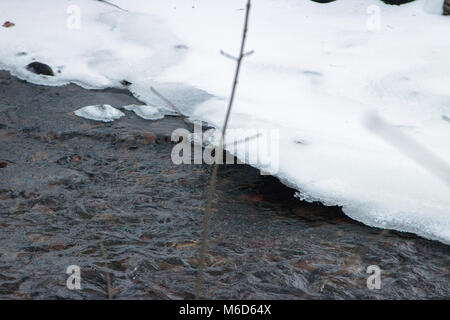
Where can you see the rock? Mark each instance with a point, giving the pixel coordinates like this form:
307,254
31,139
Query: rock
107,217
8,256
8,24
67,177
396,2
40,68
128,139
447,8
40,209
148,138
125,83
39,156
95,205
37,237
5,79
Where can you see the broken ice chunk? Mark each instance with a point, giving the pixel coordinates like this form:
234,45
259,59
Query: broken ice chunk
103,112
146,112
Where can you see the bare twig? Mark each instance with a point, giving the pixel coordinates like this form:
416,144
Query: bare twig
227,55
113,5
213,181
108,278
444,117
230,56
249,53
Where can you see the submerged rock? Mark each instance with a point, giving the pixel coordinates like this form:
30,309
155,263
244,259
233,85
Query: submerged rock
67,177
40,68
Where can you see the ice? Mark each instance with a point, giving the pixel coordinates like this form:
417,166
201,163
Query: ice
103,112
146,112
317,69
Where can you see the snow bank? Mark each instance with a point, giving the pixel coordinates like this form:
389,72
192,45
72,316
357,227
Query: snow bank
316,71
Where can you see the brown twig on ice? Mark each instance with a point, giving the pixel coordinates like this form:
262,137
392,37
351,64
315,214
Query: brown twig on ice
108,278
213,181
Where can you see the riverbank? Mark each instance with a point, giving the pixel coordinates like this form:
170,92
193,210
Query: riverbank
68,184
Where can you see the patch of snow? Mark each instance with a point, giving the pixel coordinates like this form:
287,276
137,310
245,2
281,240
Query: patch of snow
103,112
146,112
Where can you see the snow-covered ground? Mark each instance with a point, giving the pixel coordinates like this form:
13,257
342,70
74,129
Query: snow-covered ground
317,70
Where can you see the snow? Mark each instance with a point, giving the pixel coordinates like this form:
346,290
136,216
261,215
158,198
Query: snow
103,112
146,112
317,71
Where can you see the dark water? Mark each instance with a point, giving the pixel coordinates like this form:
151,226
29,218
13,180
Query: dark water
68,184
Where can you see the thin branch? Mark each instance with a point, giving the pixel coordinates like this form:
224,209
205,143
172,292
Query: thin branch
230,56
113,5
227,55
444,117
213,181
248,53
108,278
